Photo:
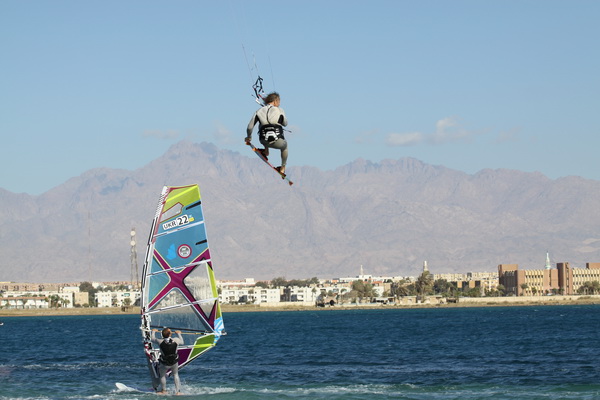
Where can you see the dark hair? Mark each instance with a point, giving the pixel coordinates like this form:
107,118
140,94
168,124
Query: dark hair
271,97
166,332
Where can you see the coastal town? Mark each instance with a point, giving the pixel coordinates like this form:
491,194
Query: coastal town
508,284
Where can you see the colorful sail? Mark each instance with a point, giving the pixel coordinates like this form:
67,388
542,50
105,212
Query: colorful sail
179,290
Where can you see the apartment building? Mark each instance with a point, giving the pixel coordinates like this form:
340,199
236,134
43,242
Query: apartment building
117,299
38,299
255,295
560,280
571,279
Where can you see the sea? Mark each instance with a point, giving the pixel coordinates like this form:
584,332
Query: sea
517,352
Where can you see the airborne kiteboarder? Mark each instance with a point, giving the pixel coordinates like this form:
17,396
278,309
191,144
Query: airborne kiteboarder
271,119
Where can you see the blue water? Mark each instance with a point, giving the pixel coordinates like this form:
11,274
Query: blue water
550,352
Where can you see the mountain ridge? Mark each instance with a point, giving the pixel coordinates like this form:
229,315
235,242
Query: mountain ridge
388,216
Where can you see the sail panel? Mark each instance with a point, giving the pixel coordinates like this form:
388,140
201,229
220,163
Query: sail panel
184,319
178,284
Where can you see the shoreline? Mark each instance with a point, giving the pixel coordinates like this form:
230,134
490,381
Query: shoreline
228,308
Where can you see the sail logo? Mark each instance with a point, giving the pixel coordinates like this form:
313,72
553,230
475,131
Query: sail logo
179,221
184,251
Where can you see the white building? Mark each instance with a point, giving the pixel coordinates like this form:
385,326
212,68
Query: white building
116,299
36,300
254,295
307,295
248,282
267,295
20,302
129,297
104,299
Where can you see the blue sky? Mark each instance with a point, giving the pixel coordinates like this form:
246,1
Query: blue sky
464,84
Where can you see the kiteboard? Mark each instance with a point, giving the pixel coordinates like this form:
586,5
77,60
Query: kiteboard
260,155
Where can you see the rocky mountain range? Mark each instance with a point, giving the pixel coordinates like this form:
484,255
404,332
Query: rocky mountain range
388,217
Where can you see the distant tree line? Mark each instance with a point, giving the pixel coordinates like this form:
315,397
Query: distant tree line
282,282
589,288
425,285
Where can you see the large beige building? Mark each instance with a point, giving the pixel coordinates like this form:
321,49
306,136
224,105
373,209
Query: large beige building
571,279
561,280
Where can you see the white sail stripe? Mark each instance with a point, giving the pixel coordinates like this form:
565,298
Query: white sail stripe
179,268
205,333
157,310
179,229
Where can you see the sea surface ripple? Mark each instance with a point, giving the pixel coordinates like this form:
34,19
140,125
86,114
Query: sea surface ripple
529,352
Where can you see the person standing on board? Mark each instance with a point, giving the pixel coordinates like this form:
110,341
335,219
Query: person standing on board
168,359
271,120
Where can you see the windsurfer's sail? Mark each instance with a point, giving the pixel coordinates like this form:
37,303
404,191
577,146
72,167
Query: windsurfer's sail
179,290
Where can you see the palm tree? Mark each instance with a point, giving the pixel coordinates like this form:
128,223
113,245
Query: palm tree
424,283
54,300
399,289
443,287
589,287
501,289
363,289
279,282
524,287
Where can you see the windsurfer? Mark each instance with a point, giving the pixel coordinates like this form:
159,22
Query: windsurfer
271,119
168,358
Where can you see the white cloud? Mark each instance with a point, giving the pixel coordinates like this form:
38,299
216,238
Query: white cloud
446,130
444,124
223,135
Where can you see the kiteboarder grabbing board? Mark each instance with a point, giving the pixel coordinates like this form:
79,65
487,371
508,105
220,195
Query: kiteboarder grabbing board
262,157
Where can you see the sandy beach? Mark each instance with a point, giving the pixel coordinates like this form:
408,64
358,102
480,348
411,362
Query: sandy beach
465,302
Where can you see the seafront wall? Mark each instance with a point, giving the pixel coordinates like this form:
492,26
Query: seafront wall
527,299
462,302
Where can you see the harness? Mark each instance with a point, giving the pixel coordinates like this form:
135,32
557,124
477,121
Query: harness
168,354
270,132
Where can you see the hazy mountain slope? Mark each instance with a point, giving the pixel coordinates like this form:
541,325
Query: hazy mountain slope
388,216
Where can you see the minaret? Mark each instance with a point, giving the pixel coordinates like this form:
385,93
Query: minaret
425,268
548,265
134,264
